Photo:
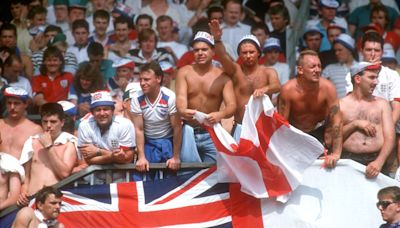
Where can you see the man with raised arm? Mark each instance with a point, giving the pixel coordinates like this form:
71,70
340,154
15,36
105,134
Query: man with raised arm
310,104
368,129
201,88
48,157
249,78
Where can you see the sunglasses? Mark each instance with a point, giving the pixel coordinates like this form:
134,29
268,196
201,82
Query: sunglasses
383,204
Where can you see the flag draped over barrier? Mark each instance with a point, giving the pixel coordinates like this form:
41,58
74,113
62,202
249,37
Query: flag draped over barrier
341,197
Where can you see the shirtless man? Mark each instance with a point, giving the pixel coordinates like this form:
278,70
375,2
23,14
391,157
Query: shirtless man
202,87
368,129
249,78
310,104
15,129
11,176
48,157
48,205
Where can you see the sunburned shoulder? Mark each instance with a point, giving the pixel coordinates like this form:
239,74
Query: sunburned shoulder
34,127
381,101
186,68
289,85
25,213
327,85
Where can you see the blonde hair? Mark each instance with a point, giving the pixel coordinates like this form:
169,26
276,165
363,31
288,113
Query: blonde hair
300,61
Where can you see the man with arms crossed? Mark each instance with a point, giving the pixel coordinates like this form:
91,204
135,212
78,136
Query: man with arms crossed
310,104
48,157
368,129
202,87
157,125
48,205
249,78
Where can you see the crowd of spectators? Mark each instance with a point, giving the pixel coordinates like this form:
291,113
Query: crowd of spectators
118,82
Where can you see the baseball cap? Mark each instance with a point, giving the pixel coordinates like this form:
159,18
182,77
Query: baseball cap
361,66
101,98
16,92
205,37
124,63
346,40
272,44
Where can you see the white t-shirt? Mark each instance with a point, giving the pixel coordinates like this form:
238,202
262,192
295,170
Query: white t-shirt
156,122
121,134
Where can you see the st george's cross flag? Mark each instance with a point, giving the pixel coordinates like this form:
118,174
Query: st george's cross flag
271,156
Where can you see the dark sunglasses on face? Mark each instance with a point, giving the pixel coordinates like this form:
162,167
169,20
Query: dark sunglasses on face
383,204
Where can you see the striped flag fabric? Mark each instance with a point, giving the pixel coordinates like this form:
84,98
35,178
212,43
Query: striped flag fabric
271,156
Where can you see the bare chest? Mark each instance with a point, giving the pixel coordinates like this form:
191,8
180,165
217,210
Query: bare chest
209,86
362,112
41,155
246,84
312,103
13,138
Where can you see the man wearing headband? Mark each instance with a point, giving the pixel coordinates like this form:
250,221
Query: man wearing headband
202,87
249,78
368,129
309,103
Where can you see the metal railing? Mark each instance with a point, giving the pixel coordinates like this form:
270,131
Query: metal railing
108,170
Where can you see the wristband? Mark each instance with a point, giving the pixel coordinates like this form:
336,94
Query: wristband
98,153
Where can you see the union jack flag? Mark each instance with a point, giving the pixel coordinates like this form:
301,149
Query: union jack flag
196,201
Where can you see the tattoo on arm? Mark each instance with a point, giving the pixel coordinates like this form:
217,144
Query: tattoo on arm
332,112
336,132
